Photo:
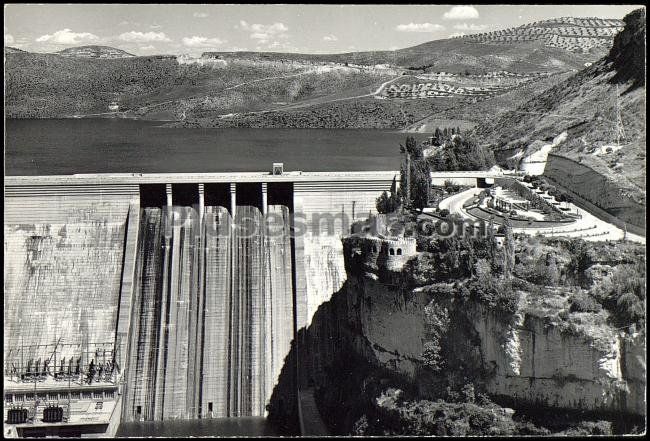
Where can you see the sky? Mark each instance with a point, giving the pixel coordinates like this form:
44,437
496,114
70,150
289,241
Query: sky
145,29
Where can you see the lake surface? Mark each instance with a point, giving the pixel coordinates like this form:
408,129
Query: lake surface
68,146
243,426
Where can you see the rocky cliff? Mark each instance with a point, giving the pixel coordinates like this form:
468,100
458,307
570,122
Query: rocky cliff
393,324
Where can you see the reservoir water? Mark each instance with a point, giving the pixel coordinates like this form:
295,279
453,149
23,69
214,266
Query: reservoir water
68,146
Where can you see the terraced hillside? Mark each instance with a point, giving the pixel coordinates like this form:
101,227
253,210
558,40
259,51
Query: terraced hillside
604,161
252,89
95,52
568,33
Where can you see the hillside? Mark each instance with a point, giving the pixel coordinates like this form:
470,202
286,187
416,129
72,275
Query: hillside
572,34
94,52
585,106
450,55
13,50
382,89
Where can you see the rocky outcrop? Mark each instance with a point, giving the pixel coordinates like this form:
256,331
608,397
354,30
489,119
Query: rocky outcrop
537,356
628,49
527,359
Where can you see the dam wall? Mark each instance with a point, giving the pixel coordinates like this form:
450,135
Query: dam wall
200,313
226,306
63,257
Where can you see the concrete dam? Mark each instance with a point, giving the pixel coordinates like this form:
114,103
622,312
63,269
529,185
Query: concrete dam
188,288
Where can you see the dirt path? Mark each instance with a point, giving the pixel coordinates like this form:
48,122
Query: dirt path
310,104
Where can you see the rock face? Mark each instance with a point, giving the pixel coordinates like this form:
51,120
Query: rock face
529,358
627,50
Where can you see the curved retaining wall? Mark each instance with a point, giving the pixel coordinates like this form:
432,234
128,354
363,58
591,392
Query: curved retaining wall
597,194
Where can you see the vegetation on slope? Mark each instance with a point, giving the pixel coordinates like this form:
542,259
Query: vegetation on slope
586,107
293,90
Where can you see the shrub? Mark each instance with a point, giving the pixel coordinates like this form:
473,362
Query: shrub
444,212
629,308
584,303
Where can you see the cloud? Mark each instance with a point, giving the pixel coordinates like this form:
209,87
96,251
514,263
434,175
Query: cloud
461,13
419,27
123,23
274,28
203,42
66,36
470,27
330,37
281,45
147,48
9,39
143,37
200,15
264,33
155,26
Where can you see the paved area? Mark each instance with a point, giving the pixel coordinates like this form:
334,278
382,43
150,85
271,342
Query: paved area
588,227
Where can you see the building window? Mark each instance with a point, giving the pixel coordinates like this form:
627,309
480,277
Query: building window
98,395
41,396
52,396
374,249
392,252
75,395
109,394
399,251
28,397
138,410
9,398
19,397
86,395
209,407
63,396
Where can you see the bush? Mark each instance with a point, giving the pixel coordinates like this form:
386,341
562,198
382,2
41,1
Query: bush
444,212
584,303
629,308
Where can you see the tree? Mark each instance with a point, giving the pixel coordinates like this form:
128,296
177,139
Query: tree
387,203
417,169
509,249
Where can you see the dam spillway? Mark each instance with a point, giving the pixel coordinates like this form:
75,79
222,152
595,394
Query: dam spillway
210,331
197,309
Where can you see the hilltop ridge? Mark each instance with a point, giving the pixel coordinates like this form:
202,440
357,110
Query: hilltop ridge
94,51
578,35
257,89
